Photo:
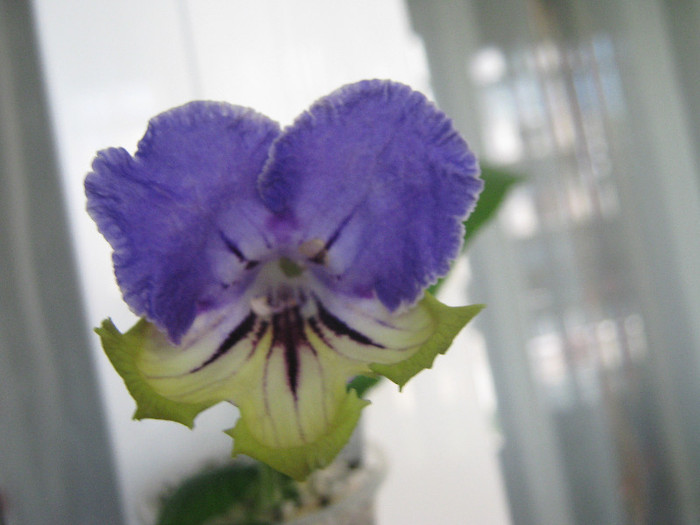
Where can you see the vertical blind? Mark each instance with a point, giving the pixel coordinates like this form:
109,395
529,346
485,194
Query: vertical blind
591,325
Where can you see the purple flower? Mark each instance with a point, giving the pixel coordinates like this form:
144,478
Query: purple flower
271,266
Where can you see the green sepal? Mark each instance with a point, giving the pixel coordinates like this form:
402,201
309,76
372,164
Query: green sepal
299,462
449,320
123,350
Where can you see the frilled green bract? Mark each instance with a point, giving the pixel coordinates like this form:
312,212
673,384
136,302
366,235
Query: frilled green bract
270,266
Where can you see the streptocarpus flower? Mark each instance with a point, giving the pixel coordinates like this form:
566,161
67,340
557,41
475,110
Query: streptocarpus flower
271,266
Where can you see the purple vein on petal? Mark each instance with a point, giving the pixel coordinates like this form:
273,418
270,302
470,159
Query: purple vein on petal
265,391
313,324
320,257
316,329
340,228
341,329
235,250
288,332
236,335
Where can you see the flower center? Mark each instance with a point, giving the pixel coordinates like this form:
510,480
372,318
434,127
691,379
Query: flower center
281,285
290,268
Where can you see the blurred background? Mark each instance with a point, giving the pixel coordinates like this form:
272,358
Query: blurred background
574,398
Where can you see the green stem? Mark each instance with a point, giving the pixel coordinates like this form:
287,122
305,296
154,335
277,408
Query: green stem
268,493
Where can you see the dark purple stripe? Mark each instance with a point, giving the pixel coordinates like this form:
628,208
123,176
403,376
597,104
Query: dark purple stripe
339,229
313,323
288,331
341,329
322,255
232,247
238,333
235,250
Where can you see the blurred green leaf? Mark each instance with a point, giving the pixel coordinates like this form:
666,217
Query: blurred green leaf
234,489
361,384
497,182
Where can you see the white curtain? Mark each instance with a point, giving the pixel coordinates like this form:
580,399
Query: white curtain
56,465
592,275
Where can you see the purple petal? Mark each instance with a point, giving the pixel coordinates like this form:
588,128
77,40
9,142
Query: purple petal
379,177
183,215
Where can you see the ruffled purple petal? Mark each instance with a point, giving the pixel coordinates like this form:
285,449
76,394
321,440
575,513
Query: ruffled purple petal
183,214
377,182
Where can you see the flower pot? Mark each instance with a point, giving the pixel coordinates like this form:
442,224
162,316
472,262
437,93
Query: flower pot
342,494
347,499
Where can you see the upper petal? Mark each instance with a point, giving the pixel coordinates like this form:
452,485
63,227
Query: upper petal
377,182
169,210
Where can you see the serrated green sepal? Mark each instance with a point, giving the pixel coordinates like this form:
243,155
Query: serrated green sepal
298,462
123,351
448,321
